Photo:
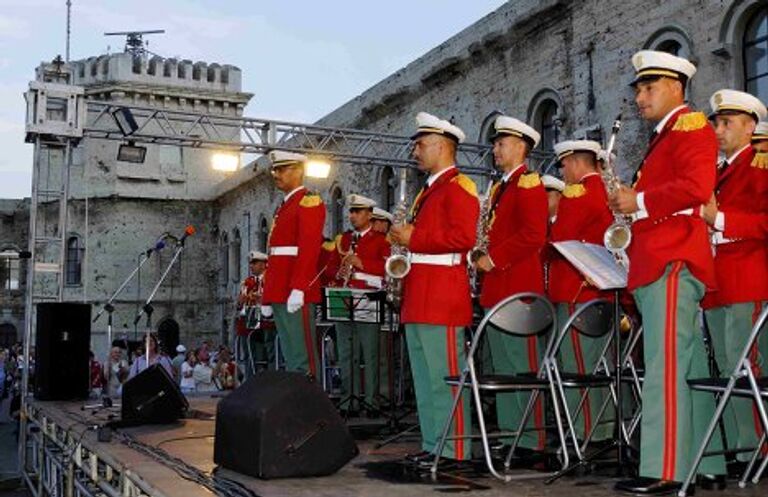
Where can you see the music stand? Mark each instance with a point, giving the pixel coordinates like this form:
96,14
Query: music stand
353,305
604,271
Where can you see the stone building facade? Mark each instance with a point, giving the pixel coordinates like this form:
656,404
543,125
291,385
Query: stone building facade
563,66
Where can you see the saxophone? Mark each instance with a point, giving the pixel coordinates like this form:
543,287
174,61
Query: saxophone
398,264
481,244
618,236
345,268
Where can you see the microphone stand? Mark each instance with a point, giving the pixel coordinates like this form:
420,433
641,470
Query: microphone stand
147,307
109,308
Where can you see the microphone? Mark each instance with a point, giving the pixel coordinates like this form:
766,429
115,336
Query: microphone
188,231
159,244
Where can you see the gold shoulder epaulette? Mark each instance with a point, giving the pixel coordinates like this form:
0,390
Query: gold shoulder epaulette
330,245
311,200
691,121
466,183
761,160
575,190
529,180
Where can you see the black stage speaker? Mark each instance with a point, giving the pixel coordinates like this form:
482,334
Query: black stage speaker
62,343
152,397
280,424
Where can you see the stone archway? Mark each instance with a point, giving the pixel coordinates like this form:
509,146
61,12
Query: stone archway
168,333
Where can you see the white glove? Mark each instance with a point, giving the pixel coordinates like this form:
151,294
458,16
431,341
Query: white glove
266,311
295,301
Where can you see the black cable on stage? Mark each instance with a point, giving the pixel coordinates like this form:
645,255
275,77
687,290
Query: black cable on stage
218,485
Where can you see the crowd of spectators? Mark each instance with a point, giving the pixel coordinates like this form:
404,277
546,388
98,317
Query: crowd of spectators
202,369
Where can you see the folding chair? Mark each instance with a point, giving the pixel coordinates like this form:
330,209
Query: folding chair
741,383
594,321
522,315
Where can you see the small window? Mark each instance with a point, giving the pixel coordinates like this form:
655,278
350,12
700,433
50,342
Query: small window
388,189
235,247
756,56
224,259
74,261
10,273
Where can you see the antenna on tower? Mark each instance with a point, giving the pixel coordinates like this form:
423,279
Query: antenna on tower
69,31
134,41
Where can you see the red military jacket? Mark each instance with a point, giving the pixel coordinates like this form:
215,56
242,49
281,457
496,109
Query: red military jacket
372,248
583,215
297,223
517,235
741,265
445,221
678,173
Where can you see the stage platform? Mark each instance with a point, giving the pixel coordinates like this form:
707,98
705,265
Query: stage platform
128,465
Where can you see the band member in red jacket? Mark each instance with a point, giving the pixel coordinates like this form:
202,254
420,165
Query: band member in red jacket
291,287
516,226
671,266
582,215
255,337
741,263
358,262
436,297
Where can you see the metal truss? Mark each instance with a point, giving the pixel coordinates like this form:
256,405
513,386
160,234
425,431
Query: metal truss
258,136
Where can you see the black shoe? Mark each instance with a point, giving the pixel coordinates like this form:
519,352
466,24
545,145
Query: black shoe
650,486
711,482
736,469
418,456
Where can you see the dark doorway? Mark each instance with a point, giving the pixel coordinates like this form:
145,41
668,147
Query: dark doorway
168,333
7,335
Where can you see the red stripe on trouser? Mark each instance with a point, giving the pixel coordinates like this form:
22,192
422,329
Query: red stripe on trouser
538,411
670,376
453,370
579,356
754,356
308,344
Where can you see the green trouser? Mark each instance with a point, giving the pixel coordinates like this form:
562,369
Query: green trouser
435,352
352,339
730,327
298,340
580,354
674,417
515,355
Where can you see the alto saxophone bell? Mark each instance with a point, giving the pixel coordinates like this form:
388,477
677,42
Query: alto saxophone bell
397,266
617,237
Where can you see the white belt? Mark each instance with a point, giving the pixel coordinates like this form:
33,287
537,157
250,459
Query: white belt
685,212
719,239
283,250
369,279
453,259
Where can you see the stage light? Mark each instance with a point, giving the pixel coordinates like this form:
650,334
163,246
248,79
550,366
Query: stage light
316,168
225,162
125,121
131,153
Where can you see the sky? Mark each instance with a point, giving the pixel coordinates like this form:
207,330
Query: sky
339,47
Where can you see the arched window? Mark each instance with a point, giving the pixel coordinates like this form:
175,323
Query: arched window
234,255
671,39
546,119
337,211
388,189
755,54
263,234
74,261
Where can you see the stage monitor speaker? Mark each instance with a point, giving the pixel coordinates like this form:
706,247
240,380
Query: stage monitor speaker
152,397
62,343
278,425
